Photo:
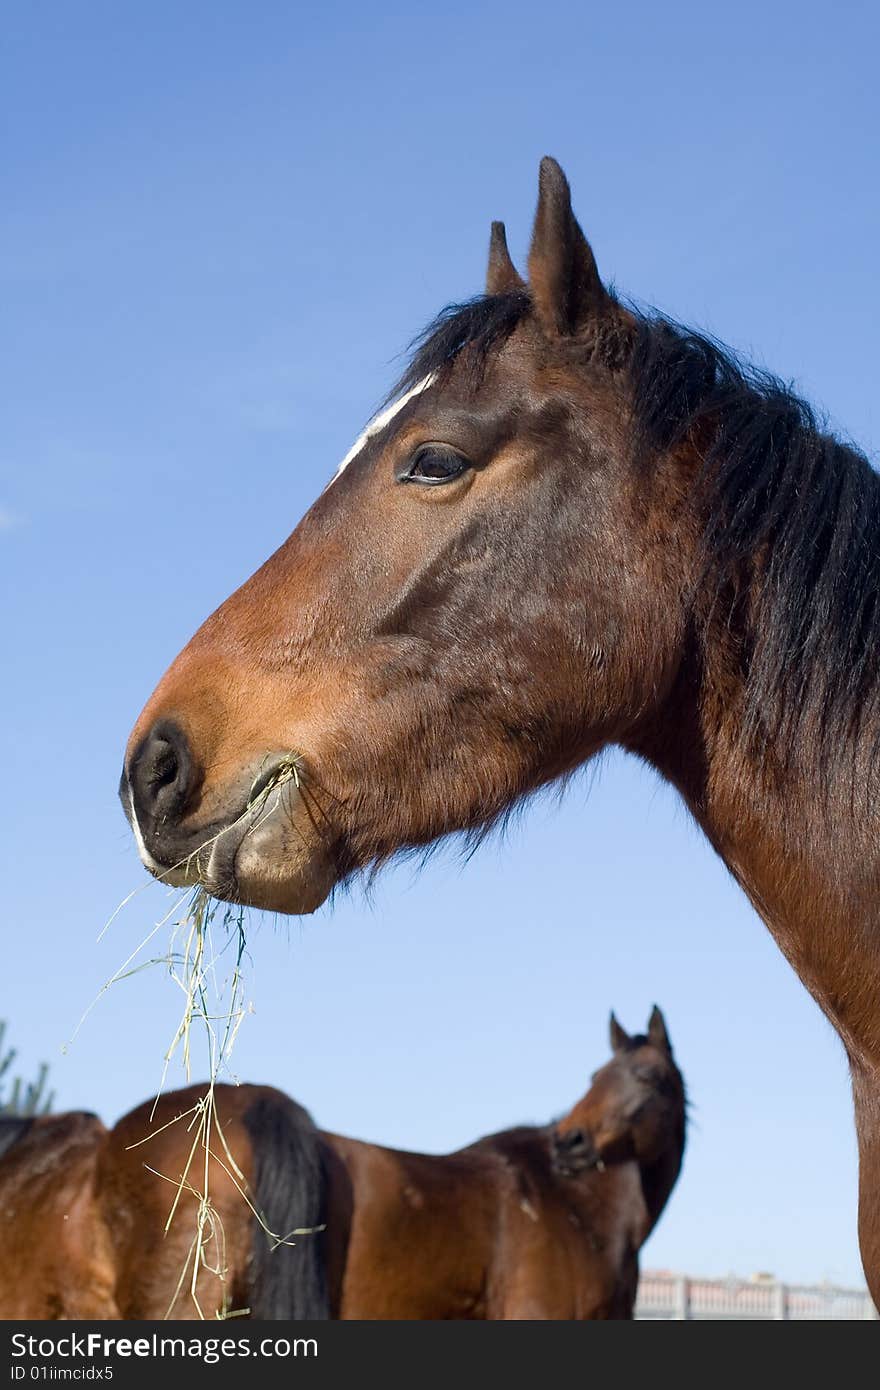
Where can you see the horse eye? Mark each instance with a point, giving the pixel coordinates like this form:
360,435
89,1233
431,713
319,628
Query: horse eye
433,464
647,1075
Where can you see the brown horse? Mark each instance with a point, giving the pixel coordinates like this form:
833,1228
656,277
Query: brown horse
529,1223
579,524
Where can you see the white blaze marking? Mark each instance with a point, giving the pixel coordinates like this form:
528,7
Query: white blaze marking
379,423
146,857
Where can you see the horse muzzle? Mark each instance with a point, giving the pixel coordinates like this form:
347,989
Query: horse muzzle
573,1152
261,847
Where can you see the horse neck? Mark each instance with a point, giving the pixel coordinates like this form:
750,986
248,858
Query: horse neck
866,1095
659,1178
793,839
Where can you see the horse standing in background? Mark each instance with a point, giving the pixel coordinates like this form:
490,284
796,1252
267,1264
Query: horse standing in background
577,525
529,1223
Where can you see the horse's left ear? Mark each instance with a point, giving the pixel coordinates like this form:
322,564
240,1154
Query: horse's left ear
564,282
502,276
657,1034
617,1035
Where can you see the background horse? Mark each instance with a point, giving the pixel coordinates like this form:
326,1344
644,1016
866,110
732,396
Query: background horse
529,1223
55,1253
578,524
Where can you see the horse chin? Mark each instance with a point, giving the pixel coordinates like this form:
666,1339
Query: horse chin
294,882
280,862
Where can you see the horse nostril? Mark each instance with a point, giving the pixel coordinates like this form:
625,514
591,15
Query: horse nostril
164,769
161,774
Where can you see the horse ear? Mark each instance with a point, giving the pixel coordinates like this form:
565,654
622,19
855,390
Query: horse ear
657,1034
502,276
618,1036
564,282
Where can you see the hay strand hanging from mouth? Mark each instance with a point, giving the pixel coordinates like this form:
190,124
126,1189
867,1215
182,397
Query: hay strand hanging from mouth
205,959
210,977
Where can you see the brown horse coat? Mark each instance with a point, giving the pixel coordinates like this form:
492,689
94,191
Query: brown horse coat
55,1254
489,1232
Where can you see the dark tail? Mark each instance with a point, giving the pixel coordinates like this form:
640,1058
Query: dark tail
12,1128
289,1189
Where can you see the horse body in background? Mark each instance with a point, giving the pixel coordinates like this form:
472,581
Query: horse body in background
578,525
489,1232
529,1223
55,1256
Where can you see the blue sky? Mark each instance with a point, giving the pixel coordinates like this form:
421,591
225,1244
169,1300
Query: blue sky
221,223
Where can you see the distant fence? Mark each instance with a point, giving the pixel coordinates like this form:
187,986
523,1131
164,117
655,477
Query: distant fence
679,1297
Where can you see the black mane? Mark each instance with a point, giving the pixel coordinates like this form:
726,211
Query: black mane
787,509
784,502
